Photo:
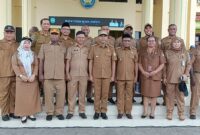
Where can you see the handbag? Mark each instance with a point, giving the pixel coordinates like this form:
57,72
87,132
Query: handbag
183,88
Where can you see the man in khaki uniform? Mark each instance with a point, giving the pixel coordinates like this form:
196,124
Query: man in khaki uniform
195,81
128,29
77,74
65,39
41,37
142,43
89,41
166,41
8,46
166,45
102,59
126,76
112,43
51,72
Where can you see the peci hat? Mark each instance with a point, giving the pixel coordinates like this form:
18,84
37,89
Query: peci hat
65,24
54,30
9,28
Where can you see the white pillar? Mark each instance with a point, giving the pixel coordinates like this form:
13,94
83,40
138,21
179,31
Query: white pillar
147,13
165,18
26,16
178,15
191,22
5,15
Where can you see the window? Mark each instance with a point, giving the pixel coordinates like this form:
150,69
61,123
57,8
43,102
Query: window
137,35
138,1
113,0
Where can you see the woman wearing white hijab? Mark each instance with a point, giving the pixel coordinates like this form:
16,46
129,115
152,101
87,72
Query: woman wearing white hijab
25,66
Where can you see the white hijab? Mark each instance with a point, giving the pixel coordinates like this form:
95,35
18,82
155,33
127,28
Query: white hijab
26,57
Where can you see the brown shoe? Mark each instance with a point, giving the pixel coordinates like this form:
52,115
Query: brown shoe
181,117
169,116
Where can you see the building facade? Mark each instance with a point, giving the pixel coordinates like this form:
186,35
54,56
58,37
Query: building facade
160,13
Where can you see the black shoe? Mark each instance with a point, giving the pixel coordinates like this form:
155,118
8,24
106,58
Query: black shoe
151,117
5,118
143,116
60,117
193,117
24,119
111,101
157,103
129,116
82,115
69,116
49,117
96,116
134,101
90,100
32,118
119,116
104,116
14,116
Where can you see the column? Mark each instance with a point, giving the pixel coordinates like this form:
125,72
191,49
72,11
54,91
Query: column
178,15
192,5
147,13
5,15
26,16
165,18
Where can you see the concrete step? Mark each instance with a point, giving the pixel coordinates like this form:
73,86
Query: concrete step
137,121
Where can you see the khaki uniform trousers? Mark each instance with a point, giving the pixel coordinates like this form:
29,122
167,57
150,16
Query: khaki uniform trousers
194,102
78,85
101,89
124,96
174,94
7,95
52,87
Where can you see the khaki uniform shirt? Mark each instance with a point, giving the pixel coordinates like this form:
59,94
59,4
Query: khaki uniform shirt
6,52
78,60
66,42
40,38
54,58
126,60
151,62
167,41
177,64
142,44
102,57
196,59
89,41
118,42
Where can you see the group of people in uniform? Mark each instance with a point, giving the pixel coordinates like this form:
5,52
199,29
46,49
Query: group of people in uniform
66,68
